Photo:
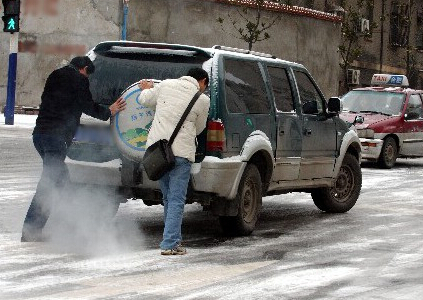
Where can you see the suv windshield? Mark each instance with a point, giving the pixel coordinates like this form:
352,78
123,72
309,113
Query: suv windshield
117,67
373,102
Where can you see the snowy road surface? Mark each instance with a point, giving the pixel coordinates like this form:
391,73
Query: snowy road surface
375,251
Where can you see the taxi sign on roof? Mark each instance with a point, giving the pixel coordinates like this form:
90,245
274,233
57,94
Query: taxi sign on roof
389,79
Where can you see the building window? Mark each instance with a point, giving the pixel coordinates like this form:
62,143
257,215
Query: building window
400,24
369,11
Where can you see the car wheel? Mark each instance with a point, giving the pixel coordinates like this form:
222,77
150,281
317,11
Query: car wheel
344,194
389,153
249,200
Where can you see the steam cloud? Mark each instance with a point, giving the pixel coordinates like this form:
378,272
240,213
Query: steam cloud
82,222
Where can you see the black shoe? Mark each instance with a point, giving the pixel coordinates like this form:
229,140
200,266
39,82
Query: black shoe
31,238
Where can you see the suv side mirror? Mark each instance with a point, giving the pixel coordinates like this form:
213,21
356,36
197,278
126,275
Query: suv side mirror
310,108
334,106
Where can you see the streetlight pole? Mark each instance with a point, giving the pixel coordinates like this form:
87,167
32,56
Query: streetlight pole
382,19
125,18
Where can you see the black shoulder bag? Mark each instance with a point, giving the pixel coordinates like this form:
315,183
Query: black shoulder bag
158,158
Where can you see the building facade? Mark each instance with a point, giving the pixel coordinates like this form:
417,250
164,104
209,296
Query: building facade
52,32
393,43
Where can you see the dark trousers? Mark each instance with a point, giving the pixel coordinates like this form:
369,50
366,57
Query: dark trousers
54,177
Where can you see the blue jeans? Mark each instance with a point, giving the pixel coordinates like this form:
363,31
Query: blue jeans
55,175
174,185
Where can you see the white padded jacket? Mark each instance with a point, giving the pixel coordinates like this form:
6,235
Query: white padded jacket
170,98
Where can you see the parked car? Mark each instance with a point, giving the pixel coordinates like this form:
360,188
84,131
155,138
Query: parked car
391,119
270,131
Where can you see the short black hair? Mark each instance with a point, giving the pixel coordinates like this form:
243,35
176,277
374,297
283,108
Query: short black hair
199,74
81,62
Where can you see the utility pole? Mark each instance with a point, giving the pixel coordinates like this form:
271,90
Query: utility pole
381,37
11,25
408,47
125,18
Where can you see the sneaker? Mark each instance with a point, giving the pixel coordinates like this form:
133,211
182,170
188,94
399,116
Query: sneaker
175,251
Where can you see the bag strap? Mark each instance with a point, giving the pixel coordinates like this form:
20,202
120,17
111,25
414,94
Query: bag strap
184,116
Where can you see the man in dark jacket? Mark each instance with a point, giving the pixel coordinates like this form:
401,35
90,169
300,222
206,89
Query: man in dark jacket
65,97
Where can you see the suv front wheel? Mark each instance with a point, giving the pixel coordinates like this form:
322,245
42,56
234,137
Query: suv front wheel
249,200
344,194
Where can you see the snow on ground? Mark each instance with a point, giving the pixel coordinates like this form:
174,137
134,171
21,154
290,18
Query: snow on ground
21,121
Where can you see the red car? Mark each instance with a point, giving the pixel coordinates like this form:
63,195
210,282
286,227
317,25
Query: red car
388,117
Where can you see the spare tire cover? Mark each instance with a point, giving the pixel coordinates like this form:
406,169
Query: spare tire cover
130,126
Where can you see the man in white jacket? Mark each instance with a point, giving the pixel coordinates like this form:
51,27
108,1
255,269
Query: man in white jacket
170,98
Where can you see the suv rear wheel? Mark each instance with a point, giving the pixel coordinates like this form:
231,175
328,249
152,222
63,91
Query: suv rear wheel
344,194
249,200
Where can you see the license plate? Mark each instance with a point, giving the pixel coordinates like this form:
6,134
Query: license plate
94,135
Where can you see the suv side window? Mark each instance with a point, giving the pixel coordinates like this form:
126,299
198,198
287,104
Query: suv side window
414,107
245,90
282,91
308,91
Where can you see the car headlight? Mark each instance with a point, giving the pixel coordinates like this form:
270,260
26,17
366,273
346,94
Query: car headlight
366,133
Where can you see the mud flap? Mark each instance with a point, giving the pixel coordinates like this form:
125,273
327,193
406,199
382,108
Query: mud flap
131,173
224,207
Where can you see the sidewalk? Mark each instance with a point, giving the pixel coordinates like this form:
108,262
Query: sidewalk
25,121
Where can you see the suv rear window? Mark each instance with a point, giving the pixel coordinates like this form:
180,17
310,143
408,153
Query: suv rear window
119,67
244,86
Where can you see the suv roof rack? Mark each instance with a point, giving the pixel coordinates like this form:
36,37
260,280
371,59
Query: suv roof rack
238,50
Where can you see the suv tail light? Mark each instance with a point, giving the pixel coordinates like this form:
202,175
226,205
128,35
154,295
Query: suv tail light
215,136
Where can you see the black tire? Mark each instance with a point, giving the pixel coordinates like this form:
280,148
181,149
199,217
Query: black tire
388,154
344,194
249,200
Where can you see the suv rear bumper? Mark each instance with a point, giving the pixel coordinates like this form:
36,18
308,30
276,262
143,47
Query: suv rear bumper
371,148
213,175
218,176
106,173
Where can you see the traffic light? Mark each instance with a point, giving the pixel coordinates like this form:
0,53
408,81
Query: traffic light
11,13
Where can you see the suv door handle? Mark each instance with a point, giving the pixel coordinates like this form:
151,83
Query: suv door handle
307,131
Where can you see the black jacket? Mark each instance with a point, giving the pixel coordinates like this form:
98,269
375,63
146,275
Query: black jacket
65,97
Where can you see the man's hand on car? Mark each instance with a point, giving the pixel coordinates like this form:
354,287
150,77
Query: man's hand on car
116,107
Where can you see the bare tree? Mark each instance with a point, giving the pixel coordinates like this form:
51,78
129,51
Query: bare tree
352,35
251,30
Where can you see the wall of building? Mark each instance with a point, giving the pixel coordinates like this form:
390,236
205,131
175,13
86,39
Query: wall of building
380,56
47,40
51,33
